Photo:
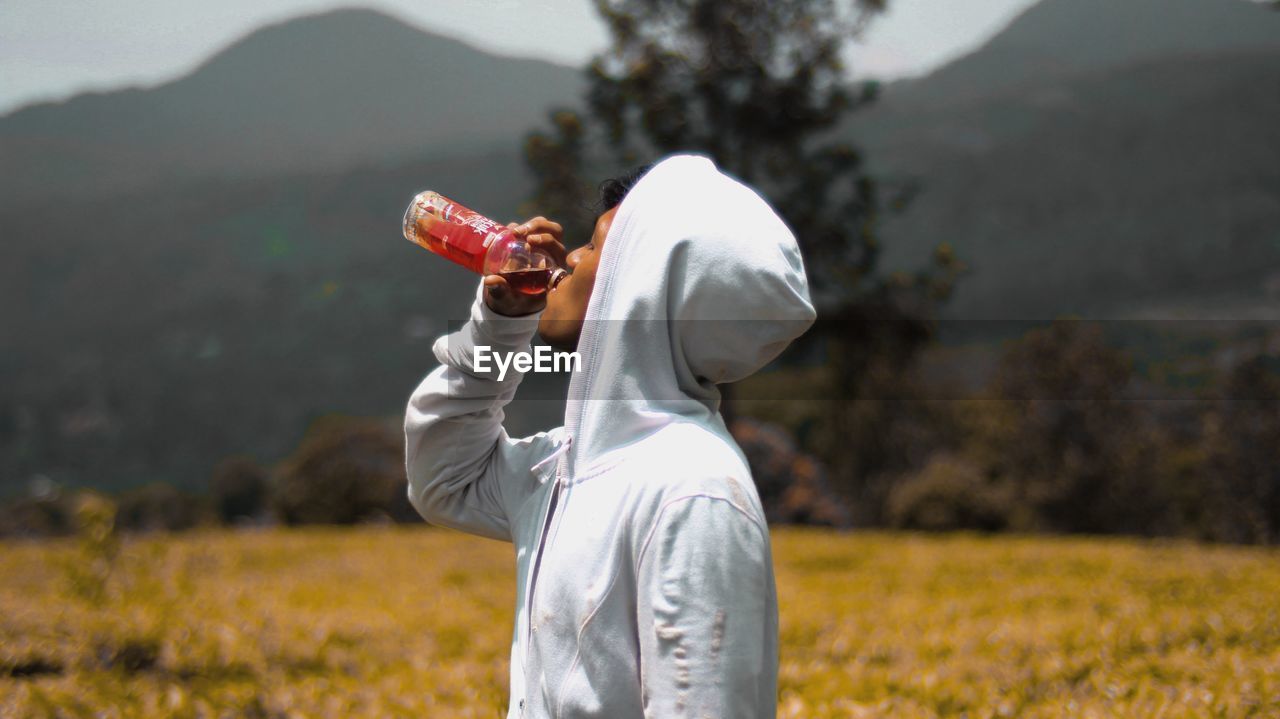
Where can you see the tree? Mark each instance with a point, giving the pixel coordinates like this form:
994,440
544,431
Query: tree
762,88
1242,438
1064,436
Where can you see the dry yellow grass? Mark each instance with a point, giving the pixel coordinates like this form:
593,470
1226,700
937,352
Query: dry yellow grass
389,622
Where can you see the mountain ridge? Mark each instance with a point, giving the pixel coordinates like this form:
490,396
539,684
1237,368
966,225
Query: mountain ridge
1062,38
325,91
191,314
1109,188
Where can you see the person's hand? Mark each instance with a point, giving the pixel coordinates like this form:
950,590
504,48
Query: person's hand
542,234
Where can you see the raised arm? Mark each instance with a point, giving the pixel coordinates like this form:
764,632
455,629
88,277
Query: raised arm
464,471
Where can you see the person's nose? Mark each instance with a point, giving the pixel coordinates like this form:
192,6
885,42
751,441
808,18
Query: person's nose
572,259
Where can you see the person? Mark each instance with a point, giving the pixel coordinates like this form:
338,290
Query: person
645,580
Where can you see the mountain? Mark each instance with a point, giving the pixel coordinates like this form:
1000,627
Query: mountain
1062,38
200,269
344,88
1094,155
149,334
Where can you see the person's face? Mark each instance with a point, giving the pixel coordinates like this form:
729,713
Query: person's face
561,322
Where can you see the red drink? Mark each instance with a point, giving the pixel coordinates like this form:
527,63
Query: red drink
530,282
476,242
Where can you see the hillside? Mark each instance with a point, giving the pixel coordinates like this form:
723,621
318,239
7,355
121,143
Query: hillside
349,87
228,272
200,269
1076,181
1157,180
1062,38
178,327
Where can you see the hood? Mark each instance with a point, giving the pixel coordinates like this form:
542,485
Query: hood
699,283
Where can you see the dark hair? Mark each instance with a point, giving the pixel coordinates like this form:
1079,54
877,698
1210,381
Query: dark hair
614,189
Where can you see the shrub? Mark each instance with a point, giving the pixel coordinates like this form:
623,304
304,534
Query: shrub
346,470
44,516
793,486
158,507
238,490
951,492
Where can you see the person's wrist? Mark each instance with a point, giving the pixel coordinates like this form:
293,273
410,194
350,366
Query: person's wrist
509,312
505,300
495,328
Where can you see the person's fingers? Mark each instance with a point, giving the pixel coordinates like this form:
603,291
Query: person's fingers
500,297
551,227
551,245
543,234
540,225
496,287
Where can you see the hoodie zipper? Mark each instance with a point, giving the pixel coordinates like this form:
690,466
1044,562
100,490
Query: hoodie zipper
537,560
557,457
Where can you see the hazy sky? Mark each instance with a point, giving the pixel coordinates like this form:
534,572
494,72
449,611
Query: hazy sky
54,48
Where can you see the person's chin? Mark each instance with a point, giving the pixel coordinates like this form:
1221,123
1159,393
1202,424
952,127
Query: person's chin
559,335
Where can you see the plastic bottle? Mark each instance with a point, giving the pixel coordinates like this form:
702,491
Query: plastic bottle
478,243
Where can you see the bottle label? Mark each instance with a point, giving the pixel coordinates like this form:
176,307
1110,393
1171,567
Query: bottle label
453,231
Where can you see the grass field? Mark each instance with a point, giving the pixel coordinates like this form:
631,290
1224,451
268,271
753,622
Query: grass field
389,622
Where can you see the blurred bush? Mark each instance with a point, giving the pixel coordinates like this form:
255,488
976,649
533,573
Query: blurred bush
160,507
792,485
1057,443
1242,439
238,490
952,492
346,470
48,515
99,547
1061,445
1065,436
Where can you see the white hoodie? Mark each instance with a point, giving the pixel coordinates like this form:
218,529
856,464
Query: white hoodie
645,580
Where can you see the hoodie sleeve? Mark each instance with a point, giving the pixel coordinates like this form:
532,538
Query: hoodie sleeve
464,471
708,632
